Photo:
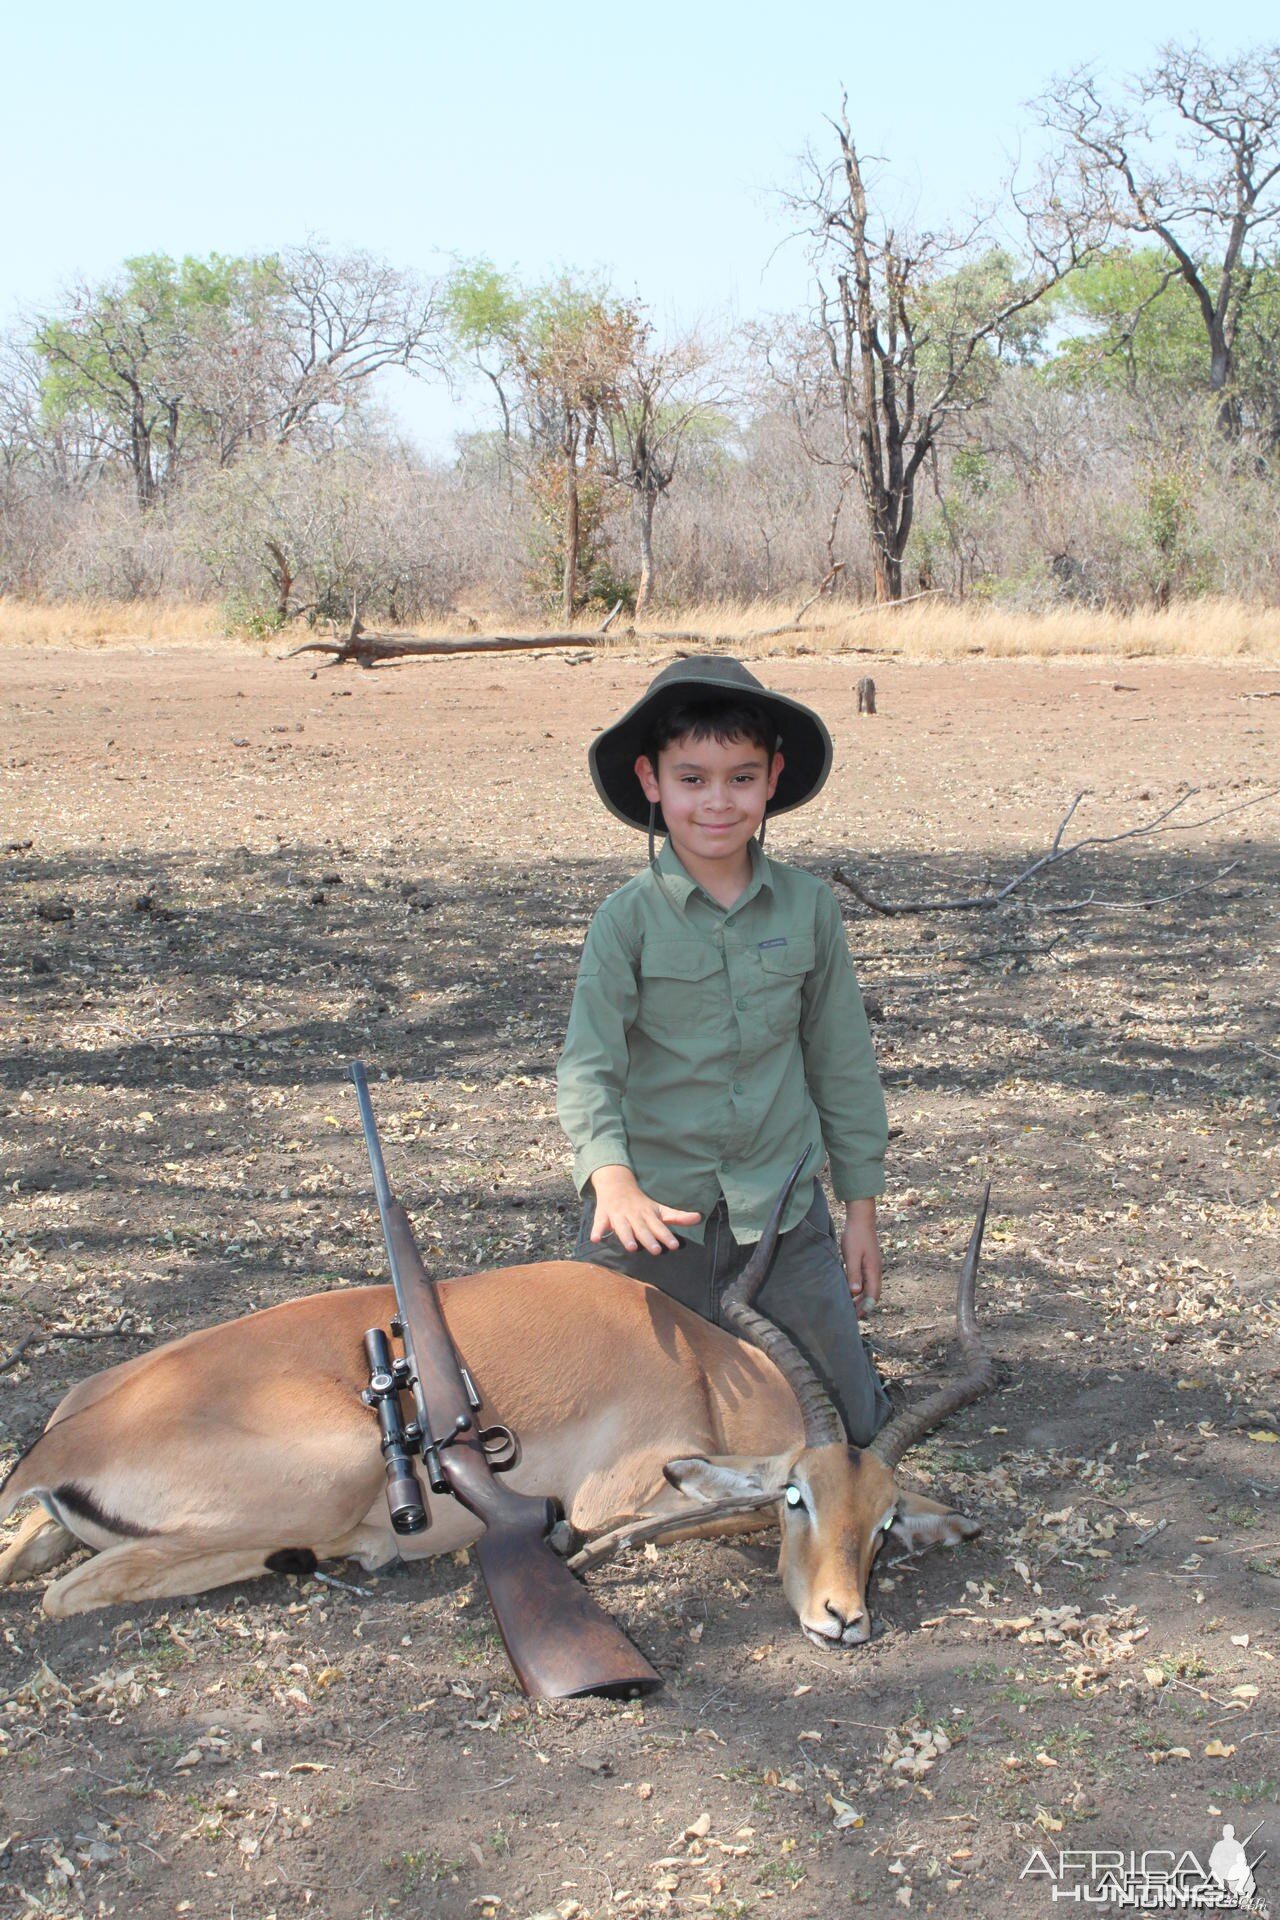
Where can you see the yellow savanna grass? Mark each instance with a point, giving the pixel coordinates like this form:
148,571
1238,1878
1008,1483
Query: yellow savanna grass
931,629
109,623
928,629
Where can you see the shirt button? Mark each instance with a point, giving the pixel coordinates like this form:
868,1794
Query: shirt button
737,1086
739,1003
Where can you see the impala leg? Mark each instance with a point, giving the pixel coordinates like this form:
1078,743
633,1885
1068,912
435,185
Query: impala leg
370,1546
153,1570
41,1542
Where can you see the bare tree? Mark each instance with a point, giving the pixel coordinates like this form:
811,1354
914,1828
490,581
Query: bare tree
663,395
1192,157
67,452
343,319
910,326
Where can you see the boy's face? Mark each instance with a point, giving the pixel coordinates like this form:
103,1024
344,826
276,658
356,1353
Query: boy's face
713,794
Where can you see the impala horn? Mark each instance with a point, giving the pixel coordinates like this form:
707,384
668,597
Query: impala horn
913,1423
823,1426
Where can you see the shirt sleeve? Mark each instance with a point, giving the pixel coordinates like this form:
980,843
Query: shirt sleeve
592,1071
840,1062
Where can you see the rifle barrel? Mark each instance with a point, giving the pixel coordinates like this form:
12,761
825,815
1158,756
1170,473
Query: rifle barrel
381,1185
560,1642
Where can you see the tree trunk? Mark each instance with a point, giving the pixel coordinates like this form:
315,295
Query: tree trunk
572,536
281,577
1220,367
887,572
140,459
886,548
644,592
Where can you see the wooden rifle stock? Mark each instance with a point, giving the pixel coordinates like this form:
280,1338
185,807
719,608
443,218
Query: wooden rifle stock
559,1641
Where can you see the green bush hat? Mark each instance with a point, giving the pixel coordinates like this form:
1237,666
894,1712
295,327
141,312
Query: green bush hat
803,740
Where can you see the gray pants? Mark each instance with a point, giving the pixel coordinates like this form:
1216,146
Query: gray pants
806,1294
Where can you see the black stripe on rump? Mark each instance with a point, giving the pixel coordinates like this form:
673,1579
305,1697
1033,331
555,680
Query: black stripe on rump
85,1507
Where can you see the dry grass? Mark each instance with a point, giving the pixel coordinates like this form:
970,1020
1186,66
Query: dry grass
926,629
108,623
934,630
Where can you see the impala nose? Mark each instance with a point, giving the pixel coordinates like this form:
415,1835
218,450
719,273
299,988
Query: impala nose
848,1626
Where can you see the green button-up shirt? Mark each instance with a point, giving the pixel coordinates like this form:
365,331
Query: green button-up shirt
707,1046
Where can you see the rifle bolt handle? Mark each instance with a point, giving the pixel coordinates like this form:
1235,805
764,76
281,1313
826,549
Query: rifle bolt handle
460,1426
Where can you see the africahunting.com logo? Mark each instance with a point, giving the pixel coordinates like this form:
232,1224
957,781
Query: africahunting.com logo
1155,1879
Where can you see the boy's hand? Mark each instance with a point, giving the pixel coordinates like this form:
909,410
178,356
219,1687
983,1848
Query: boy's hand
860,1247
625,1210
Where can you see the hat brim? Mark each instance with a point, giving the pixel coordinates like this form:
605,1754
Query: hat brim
803,741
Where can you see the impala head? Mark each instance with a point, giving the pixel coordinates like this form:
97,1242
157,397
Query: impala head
838,1504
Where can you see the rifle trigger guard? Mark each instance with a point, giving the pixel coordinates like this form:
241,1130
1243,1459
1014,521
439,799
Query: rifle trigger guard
501,1448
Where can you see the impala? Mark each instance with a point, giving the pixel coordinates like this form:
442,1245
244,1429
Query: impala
245,1448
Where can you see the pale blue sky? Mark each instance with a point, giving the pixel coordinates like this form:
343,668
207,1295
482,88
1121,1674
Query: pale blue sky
641,139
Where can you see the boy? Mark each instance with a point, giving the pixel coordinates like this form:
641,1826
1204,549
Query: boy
717,1030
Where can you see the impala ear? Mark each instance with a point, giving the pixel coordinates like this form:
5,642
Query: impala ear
727,1477
921,1523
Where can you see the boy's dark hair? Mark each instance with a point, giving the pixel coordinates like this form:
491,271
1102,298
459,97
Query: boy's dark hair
722,720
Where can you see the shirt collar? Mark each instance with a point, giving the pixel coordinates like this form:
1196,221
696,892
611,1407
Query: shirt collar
679,883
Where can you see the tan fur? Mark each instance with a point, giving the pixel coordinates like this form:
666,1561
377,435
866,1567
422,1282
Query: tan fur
225,1446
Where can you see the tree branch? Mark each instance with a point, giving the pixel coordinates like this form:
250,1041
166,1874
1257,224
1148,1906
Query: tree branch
996,897
121,1331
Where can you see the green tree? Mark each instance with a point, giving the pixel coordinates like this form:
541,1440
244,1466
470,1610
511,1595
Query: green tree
206,358
556,355
1190,155
126,353
1133,322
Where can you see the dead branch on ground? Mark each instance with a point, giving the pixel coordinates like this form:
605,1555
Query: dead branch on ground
996,897
368,649
44,1335
375,649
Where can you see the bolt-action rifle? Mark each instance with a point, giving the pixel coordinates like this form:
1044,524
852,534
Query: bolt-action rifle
558,1640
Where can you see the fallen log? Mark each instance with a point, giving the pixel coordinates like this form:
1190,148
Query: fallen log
366,649
371,649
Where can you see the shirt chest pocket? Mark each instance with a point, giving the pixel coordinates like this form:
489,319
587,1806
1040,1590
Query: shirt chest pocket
681,986
783,971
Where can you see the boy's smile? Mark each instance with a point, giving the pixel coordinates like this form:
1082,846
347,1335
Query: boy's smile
713,796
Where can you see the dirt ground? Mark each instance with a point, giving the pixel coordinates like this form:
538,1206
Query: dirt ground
224,876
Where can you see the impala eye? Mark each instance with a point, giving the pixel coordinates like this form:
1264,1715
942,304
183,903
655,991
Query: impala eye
794,1497
889,1522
